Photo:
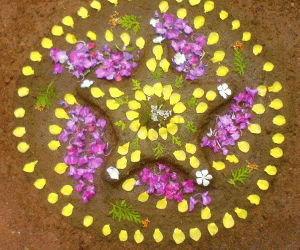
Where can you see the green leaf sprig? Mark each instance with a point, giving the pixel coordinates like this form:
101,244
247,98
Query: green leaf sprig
124,212
121,124
159,151
135,143
190,127
157,74
178,82
130,22
176,140
121,102
44,99
192,102
239,62
242,174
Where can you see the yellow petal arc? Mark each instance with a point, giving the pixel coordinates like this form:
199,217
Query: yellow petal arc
263,184
151,64
232,158
276,104
140,42
148,90
91,35
162,204
23,147
61,113
194,2
60,168
66,190
262,90
52,198
143,133
218,56
128,185
27,71
136,156
246,36
54,145
222,71
183,206
235,24
178,119
109,36
158,51
276,87
258,109
67,210
276,152
205,213
278,138
123,150
106,230
254,128
157,235
134,126
244,146
125,38
268,66
164,64
88,220
123,236
199,22
211,95
167,91
19,131
96,92
70,99
40,183
257,49
228,221
254,199
138,236
96,5
241,213
190,148
140,95
152,134
55,129
181,13
112,104
179,108
213,38
178,236
35,56
134,105
57,30
19,113
212,229
163,6
208,6
201,107
194,162
163,132
47,43
279,120
121,163
198,93
70,38
172,128
180,155
270,170
223,14
29,167
131,115
68,21
143,197
219,165
195,234
83,13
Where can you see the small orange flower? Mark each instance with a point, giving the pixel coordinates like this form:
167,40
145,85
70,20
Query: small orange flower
40,107
239,45
145,222
252,166
114,19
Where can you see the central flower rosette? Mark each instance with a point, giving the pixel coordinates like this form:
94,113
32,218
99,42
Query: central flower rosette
155,112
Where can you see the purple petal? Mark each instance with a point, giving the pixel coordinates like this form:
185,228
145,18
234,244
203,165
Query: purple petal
192,203
206,200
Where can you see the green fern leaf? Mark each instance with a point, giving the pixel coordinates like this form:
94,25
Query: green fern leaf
242,174
239,62
122,211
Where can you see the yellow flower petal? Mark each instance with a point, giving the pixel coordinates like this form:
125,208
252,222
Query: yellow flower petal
194,162
47,43
40,183
131,115
172,128
164,64
148,90
279,120
138,236
27,71
241,213
143,197
228,221
88,220
276,87
218,165
136,156
140,42
262,90
115,2
276,152
60,168
190,148
96,5
178,236
268,67
109,36
244,146
213,38
167,91
208,6
201,107
222,71
199,22
223,14
52,198
183,206
19,131
163,6
57,30
263,184
257,49
61,113
163,132
194,2
91,35
134,126
205,213
96,92
158,51
19,113
258,109
70,38
35,56
276,104
134,105
174,98
68,21
278,138
55,129
254,128
254,199
83,13
271,170
211,95
23,91
123,236
212,229
181,13
235,24
140,96
70,99
115,92
121,163
162,204
157,235
112,104
158,89
125,38
66,190
232,158
177,119
67,210
195,234
198,93
143,133
180,155
246,36
106,230
151,64
152,134
23,147
218,56
123,150
54,145
128,185
179,108
29,167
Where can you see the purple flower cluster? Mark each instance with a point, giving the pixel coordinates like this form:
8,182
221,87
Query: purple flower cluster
188,55
86,149
165,183
228,128
110,65
205,200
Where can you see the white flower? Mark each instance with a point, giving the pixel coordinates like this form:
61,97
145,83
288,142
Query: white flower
63,59
153,22
113,173
158,39
86,83
203,177
179,58
224,90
